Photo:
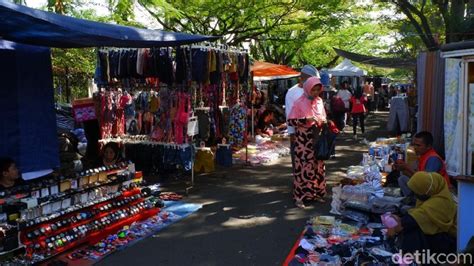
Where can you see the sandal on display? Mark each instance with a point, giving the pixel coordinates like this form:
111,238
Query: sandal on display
170,196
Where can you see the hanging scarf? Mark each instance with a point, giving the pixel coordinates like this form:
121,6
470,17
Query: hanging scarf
437,214
307,106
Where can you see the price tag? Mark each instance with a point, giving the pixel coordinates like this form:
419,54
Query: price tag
47,209
113,188
54,190
30,202
83,181
74,184
102,176
94,178
44,192
36,194
84,197
131,168
56,206
65,185
127,183
3,217
66,203
92,195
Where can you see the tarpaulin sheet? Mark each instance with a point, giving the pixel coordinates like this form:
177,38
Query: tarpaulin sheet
31,26
268,71
28,122
378,61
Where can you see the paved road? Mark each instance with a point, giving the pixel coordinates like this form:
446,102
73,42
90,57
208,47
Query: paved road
248,216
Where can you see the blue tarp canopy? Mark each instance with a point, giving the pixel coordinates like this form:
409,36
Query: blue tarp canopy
28,120
36,27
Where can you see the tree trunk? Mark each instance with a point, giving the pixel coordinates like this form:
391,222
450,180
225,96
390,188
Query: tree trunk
68,89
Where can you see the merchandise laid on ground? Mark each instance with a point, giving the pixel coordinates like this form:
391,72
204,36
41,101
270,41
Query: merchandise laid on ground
264,152
361,206
328,240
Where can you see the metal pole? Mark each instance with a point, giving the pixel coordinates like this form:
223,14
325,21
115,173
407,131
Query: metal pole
192,174
253,130
252,110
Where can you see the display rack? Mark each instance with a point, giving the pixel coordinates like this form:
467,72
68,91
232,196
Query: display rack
122,201
98,223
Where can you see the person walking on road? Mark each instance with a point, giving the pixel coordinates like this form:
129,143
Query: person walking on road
341,114
358,111
307,116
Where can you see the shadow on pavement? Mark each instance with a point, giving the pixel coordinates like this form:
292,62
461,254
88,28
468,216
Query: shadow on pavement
248,216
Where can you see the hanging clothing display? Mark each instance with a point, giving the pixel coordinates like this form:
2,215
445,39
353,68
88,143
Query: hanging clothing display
399,117
453,112
159,159
431,95
237,125
204,124
162,87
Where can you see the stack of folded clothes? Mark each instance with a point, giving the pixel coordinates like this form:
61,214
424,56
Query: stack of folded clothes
386,204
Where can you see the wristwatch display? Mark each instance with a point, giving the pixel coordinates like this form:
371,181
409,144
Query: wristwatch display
67,219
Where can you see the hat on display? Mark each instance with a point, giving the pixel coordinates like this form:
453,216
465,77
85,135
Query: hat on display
310,70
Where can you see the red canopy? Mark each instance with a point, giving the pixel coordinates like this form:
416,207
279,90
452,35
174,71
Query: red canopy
268,71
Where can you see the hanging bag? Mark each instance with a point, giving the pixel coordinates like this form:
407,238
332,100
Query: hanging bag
324,142
84,110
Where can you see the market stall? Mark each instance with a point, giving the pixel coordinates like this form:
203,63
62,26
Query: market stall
356,230
329,241
347,69
263,71
271,82
458,121
150,105
50,215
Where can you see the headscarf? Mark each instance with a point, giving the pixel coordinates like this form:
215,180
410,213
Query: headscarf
307,106
438,213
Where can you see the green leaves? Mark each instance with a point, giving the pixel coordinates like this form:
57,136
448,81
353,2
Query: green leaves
291,32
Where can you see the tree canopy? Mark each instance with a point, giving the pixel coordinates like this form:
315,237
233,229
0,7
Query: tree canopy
290,32
438,21
279,31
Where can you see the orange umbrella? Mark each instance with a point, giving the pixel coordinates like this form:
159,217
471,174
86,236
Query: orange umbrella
268,71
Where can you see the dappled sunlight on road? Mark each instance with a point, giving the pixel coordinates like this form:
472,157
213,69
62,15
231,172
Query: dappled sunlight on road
244,222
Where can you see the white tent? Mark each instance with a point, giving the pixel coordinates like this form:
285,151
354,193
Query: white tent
347,69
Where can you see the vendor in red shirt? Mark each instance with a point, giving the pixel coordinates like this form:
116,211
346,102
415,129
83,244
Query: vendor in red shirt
428,161
358,110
